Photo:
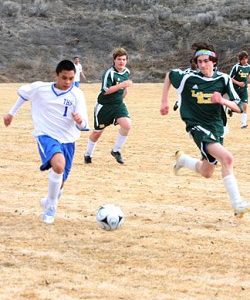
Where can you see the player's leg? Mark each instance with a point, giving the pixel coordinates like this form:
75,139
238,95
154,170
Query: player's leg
121,117
243,94
226,159
55,179
102,118
125,125
203,167
91,144
52,158
244,116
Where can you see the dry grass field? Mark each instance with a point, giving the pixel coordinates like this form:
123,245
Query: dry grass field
179,241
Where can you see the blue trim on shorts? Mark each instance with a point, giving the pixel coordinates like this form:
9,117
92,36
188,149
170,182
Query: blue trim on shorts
48,147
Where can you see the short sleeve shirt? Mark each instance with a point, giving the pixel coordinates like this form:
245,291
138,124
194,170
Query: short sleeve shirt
196,91
112,77
52,110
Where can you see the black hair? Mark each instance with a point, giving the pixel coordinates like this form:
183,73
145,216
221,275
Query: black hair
65,65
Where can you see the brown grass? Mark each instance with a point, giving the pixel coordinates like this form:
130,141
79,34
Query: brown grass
180,239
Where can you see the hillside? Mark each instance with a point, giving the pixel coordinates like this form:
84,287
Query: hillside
157,34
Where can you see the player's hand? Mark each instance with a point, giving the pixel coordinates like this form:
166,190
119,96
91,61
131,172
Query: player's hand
241,84
217,98
77,118
164,110
7,119
126,84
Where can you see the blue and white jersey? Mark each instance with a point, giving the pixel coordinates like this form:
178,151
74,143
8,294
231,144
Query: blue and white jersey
52,110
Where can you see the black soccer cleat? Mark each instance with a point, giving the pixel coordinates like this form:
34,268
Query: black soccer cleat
243,126
87,159
176,106
230,112
117,156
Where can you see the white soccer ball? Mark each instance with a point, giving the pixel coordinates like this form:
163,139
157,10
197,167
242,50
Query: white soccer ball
109,217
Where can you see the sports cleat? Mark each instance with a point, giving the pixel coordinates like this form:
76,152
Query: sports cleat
117,156
177,165
87,159
230,112
48,215
244,126
176,106
241,209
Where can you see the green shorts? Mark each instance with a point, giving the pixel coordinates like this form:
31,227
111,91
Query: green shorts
107,114
202,137
243,94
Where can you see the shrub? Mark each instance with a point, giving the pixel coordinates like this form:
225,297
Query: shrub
40,8
11,9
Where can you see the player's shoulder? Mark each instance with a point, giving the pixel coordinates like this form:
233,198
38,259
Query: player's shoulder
36,85
236,66
126,70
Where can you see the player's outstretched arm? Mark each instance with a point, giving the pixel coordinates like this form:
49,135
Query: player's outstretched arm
7,119
164,100
217,98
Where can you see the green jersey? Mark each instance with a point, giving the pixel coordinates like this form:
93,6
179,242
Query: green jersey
240,73
196,106
112,77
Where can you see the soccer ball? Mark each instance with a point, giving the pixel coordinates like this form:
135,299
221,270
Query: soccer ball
109,217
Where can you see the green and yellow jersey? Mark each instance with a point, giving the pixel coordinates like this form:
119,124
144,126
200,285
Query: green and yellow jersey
112,77
241,73
196,106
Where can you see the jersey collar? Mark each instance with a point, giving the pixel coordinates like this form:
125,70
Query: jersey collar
58,92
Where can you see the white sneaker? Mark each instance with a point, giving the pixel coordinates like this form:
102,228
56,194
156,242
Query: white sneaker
178,165
48,215
241,209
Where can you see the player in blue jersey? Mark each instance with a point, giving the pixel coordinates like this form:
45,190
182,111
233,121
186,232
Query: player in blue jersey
240,75
110,107
202,110
59,113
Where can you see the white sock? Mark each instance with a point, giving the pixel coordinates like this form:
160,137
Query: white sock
90,148
188,162
120,141
244,119
232,189
60,193
55,182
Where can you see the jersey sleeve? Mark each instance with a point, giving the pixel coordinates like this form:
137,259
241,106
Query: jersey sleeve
26,91
232,94
176,76
107,80
233,71
81,108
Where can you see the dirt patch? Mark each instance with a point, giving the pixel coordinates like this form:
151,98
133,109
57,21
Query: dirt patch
180,239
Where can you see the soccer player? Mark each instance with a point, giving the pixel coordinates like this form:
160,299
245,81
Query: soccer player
203,113
59,113
240,73
79,72
110,107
